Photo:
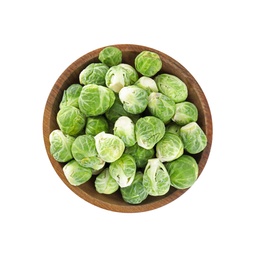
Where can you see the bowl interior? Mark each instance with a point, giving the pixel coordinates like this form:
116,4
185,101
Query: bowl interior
114,202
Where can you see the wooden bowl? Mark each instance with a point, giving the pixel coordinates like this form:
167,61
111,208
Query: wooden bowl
114,202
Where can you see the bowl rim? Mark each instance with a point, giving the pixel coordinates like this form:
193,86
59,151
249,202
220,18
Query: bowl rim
46,125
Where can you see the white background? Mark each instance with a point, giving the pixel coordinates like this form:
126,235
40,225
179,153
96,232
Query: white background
218,218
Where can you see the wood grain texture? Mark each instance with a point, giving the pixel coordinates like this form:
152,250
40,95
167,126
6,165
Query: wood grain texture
114,202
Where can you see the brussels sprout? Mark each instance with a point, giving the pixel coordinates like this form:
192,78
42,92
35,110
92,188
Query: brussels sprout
186,112
117,110
76,174
109,147
149,130
135,193
111,56
134,99
96,125
193,138
124,128
105,184
148,63
140,154
161,106
95,100
183,172
147,84
84,152
70,120
123,170
169,148
130,73
119,76
173,128
156,179
172,87
115,78
60,146
94,73
71,95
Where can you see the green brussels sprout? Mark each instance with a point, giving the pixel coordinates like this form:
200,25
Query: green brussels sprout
105,184
147,84
123,170
84,152
156,179
135,193
149,130
96,125
60,146
169,148
115,78
161,106
95,100
71,95
173,128
117,110
140,154
111,56
130,73
193,138
109,147
124,128
70,120
76,174
148,63
172,87
183,172
134,99
120,76
186,112
94,73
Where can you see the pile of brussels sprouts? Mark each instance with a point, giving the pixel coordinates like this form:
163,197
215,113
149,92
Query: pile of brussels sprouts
131,128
